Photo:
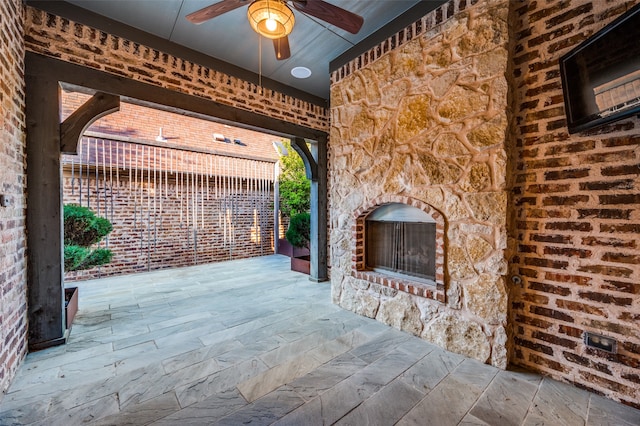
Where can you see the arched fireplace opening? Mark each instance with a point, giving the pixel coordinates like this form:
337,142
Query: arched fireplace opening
401,240
399,243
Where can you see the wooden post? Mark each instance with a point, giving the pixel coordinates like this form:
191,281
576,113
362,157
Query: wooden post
315,162
73,127
319,213
44,211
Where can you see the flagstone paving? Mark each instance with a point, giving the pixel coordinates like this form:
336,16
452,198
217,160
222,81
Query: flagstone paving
250,342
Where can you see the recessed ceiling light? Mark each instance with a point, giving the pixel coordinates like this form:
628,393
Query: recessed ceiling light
301,72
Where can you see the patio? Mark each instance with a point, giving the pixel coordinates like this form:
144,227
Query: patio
250,342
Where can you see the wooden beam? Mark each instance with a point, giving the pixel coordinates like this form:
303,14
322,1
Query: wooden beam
72,129
128,89
315,164
310,165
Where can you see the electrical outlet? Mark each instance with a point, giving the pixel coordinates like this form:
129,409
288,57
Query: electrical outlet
4,201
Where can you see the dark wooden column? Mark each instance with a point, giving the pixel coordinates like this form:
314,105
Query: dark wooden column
44,211
315,163
319,241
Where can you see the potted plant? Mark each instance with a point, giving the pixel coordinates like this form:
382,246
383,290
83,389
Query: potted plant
298,235
82,230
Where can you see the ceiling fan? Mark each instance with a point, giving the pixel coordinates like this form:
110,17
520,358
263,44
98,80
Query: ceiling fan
275,20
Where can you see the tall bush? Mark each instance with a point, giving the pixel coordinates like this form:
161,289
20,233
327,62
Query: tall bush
295,188
83,229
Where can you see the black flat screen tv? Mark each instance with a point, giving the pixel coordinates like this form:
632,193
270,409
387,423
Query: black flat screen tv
601,76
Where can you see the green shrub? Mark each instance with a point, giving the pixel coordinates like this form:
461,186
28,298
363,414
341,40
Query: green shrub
299,231
82,229
295,188
74,256
77,258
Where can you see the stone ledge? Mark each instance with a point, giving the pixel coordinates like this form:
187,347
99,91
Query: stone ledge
401,284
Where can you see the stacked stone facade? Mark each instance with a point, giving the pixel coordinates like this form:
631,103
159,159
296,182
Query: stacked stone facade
576,216
423,118
571,207
13,280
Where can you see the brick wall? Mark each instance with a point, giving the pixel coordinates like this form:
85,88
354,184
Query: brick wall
186,201
143,123
186,220
576,226
59,38
13,318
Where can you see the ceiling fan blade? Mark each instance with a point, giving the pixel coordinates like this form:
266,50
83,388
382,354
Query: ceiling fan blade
213,10
334,15
281,46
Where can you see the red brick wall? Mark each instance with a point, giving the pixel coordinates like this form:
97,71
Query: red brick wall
59,38
160,223
576,226
143,123
187,201
13,280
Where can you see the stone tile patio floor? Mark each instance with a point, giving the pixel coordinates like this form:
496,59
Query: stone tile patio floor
250,342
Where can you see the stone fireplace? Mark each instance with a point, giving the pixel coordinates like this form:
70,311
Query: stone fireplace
401,240
420,283
420,121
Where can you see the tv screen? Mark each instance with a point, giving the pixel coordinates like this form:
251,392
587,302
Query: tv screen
601,77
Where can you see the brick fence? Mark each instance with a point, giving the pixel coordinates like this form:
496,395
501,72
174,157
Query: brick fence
186,220
189,199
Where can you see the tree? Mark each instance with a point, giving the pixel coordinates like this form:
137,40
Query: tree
82,229
295,188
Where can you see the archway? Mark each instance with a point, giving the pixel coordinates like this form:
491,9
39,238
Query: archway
44,145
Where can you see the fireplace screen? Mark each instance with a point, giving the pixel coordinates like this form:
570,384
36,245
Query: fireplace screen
406,248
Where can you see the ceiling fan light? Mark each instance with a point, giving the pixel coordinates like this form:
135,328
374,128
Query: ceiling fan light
271,25
271,18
